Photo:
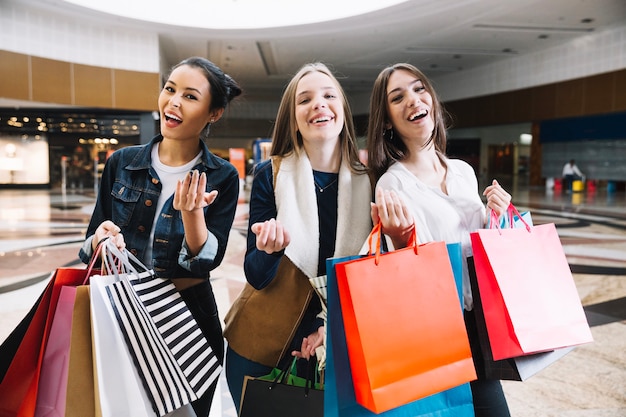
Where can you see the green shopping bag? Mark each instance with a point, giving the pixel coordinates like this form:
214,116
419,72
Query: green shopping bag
288,376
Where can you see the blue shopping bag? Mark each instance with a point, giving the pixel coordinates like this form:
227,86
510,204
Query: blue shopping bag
339,395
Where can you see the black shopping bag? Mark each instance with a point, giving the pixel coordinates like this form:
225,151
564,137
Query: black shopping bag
278,397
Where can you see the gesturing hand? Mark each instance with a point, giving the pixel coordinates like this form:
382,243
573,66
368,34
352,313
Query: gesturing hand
191,192
394,216
309,344
108,229
271,236
497,199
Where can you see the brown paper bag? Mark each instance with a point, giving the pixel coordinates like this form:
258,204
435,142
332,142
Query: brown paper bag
80,383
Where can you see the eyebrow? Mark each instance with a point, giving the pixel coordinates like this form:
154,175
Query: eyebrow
188,88
417,80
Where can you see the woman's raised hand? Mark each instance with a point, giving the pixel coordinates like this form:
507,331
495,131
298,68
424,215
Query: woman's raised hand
309,344
191,194
394,217
497,198
271,236
108,229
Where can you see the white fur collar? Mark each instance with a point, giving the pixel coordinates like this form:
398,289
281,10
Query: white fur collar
296,204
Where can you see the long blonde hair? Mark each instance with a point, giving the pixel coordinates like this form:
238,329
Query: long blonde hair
286,138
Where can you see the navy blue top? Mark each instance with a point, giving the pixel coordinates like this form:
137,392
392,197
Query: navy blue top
261,267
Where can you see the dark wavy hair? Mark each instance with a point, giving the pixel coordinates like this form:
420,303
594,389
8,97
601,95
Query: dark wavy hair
385,146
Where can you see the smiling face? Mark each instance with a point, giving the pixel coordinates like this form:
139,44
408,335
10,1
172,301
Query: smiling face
319,108
184,104
410,107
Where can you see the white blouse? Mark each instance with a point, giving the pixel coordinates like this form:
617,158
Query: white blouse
439,216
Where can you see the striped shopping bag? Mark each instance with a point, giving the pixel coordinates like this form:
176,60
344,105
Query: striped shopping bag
172,355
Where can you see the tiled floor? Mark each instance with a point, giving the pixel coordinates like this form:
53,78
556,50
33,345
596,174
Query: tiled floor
42,230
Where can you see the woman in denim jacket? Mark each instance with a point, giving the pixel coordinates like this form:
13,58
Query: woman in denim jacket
172,202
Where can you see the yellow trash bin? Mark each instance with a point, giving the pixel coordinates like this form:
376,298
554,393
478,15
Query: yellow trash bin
578,185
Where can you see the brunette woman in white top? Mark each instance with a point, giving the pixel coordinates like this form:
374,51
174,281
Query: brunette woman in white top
419,187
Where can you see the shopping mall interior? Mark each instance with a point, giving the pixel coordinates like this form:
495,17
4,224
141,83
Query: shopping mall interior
525,93
528,85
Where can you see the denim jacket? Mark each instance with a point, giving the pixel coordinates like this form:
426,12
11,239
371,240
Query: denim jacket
128,195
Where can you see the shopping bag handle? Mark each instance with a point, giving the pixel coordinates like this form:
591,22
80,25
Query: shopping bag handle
285,371
310,375
511,212
94,259
375,238
122,261
289,369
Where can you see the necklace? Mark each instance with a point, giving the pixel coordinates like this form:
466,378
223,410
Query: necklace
320,188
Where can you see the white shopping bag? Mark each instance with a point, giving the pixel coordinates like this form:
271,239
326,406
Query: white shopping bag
119,391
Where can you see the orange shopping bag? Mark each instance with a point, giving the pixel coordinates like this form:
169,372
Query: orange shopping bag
528,295
404,326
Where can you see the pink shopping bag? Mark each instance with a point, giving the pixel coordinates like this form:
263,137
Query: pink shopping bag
54,368
528,294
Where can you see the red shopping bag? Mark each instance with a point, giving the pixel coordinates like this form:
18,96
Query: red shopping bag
404,327
19,387
528,294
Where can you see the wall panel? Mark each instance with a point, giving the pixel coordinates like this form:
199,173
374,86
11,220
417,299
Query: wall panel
52,81
14,76
599,94
93,86
30,78
544,102
484,109
620,91
522,104
569,98
503,104
135,90
461,112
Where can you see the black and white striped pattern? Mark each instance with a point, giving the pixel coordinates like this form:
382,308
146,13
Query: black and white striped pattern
173,357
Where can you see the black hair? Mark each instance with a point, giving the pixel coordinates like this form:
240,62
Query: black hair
223,87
